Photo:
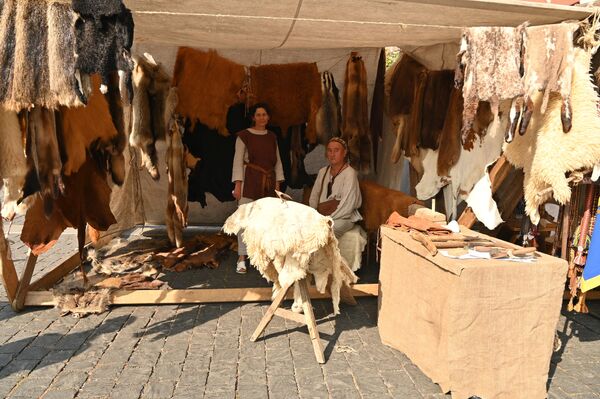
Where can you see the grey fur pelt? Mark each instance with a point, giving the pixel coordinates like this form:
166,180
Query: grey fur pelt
37,54
97,7
31,75
329,115
12,154
104,44
61,55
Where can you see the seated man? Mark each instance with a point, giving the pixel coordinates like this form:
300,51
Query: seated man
336,192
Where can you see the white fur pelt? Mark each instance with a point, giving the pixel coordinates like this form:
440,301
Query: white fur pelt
491,60
469,169
286,240
13,165
546,156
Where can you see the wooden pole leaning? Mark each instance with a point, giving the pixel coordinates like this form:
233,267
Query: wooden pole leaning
307,319
7,268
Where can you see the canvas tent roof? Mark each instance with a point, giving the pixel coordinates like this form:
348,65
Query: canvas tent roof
269,24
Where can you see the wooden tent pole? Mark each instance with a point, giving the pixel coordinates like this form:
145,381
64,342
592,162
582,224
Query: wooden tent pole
23,287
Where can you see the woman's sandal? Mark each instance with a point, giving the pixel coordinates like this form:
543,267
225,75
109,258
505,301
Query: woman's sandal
241,267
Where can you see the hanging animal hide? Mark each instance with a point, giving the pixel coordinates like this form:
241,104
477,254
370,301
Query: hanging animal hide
151,88
292,92
297,176
329,115
482,120
177,205
406,84
80,136
97,8
355,118
38,33
548,63
31,70
114,151
13,165
436,99
490,63
379,202
580,149
85,200
469,169
450,136
208,85
44,151
103,43
61,55
286,240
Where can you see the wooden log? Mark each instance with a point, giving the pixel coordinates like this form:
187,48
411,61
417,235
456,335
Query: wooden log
211,295
19,301
52,277
7,268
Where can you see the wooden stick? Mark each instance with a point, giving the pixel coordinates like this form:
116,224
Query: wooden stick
564,235
423,239
52,277
270,313
24,281
7,268
310,321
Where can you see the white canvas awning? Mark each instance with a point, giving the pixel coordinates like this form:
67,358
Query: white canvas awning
271,24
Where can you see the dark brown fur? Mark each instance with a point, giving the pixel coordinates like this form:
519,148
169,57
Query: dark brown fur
435,107
450,138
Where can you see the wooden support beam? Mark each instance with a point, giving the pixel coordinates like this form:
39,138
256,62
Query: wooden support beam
55,275
19,301
8,273
212,295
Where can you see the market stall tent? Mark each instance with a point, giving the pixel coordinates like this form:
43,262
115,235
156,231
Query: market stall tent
276,30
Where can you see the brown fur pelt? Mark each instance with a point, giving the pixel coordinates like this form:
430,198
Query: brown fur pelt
329,116
490,62
580,149
293,93
151,88
40,233
483,118
378,203
81,303
85,200
355,115
548,63
450,136
435,107
177,205
31,70
208,85
79,135
43,148
12,153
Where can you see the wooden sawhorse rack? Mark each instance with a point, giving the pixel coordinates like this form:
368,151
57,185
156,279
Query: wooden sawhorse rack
308,318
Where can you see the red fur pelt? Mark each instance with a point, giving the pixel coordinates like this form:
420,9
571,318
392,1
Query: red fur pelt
177,205
79,132
355,119
450,136
490,63
85,199
292,91
208,85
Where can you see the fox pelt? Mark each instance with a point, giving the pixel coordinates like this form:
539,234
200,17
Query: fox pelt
355,116
177,205
13,165
293,93
208,85
151,88
329,115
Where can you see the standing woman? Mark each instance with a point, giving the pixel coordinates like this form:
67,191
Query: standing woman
257,169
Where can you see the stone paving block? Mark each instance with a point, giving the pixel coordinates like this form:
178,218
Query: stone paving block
340,382
65,380
422,382
18,368
27,390
345,394
158,390
60,394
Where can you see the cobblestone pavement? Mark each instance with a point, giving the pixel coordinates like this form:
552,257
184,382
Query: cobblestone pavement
204,351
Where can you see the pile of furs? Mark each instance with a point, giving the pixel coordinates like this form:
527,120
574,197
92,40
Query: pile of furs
66,75
287,240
